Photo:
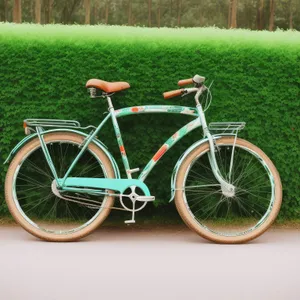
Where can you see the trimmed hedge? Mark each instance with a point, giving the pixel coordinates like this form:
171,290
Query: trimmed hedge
43,70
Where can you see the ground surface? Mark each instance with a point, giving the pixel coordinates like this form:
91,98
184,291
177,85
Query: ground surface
144,263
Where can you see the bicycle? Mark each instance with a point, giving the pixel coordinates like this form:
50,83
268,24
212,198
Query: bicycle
62,182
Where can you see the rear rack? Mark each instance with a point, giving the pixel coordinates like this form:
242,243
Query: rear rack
226,127
52,123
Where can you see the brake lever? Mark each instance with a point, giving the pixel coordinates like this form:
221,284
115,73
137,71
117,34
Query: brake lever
184,94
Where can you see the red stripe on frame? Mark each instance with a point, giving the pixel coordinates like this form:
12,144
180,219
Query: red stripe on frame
160,152
134,109
122,149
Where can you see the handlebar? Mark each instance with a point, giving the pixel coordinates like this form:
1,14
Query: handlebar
198,82
185,82
172,94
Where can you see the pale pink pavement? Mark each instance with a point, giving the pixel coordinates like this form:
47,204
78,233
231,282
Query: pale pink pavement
162,263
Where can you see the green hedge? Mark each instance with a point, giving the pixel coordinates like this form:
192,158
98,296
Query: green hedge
43,70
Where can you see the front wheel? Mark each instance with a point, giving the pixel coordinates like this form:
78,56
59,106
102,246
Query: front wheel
35,202
226,217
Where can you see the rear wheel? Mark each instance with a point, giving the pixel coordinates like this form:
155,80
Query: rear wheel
34,200
226,217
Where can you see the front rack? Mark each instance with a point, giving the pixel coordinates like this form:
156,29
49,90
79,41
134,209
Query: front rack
51,123
226,127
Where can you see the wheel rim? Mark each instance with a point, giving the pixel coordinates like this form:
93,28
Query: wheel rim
34,198
232,216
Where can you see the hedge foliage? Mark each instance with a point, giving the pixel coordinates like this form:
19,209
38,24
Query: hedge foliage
43,70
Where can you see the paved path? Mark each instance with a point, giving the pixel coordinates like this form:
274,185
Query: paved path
135,263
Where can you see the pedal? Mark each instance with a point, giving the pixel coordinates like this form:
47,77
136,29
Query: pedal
129,221
145,198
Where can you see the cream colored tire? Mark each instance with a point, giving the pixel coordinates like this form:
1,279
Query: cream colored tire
12,204
183,207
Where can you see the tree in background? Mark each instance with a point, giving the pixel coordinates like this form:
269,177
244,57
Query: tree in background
179,7
158,13
272,15
129,12
87,7
260,15
229,13
106,11
17,15
149,12
233,14
291,15
38,11
201,13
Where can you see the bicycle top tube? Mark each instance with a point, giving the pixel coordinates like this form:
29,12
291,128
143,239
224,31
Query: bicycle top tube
172,109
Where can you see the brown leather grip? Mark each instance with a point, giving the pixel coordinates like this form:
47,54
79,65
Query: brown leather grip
172,94
185,81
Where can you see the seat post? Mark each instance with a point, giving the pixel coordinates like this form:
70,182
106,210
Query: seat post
110,105
119,137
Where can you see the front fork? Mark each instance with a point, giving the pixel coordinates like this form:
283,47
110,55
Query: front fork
227,187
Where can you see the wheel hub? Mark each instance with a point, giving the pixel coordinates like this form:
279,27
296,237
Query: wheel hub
228,190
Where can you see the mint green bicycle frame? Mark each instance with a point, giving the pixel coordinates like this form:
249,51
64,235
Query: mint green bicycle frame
113,115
